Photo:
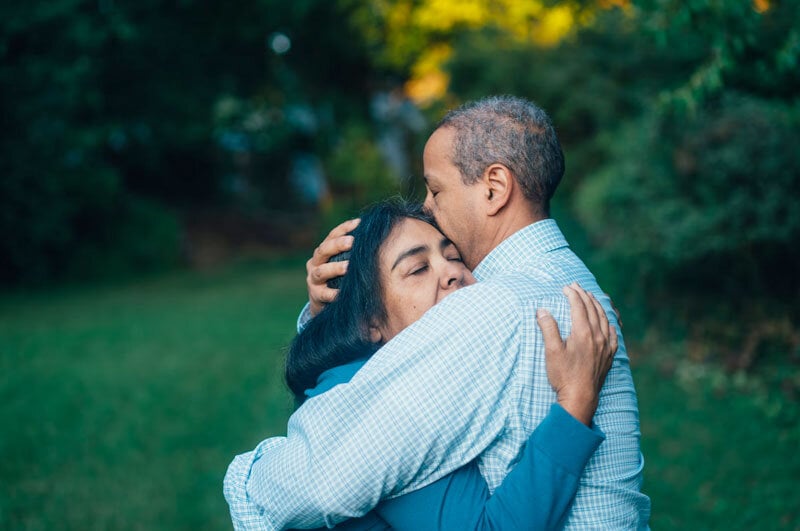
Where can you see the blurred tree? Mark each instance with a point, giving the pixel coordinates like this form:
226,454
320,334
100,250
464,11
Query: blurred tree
416,37
60,196
695,204
108,111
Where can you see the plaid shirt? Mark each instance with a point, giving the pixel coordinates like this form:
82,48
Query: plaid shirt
467,380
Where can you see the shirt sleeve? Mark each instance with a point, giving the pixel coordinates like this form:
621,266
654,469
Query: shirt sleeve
304,317
245,514
431,400
536,494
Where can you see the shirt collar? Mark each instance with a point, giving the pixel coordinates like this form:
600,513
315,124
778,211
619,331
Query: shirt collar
536,239
334,376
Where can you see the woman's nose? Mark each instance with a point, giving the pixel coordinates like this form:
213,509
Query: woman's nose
452,275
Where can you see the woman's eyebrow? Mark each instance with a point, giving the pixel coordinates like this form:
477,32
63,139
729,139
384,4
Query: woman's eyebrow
410,252
445,243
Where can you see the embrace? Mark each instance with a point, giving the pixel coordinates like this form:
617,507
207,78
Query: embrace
423,405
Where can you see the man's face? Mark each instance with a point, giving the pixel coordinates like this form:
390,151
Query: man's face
455,205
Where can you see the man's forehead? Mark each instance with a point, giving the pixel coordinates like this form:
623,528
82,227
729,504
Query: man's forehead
440,143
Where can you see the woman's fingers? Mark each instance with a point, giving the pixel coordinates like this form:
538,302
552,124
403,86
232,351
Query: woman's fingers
577,367
605,326
607,340
550,332
601,327
577,309
591,312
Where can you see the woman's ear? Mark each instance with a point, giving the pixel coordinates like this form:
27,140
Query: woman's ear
375,335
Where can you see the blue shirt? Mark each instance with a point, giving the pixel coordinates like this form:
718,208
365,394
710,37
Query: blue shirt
466,381
551,465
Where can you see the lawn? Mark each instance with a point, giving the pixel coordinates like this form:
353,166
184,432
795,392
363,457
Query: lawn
123,404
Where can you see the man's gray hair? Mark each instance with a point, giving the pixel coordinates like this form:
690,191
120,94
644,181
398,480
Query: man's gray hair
513,132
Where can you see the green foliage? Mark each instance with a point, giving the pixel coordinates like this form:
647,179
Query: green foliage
109,105
141,237
694,202
66,194
357,170
704,191
80,224
743,47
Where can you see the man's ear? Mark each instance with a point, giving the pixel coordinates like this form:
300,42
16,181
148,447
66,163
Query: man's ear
499,185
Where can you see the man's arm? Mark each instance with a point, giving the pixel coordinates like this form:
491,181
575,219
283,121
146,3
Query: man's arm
245,514
319,268
429,401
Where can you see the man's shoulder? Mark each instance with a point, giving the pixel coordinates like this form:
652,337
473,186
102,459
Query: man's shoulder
504,296
523,286
481,303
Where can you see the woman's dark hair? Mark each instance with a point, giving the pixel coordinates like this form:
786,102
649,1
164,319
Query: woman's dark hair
339,334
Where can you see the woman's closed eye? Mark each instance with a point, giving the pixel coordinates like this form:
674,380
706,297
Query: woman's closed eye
419,269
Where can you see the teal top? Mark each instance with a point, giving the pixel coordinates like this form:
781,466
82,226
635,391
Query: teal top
536,494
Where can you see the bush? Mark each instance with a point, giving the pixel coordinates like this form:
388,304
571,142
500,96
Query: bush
357,170
700,192
79,223
698,216
140,236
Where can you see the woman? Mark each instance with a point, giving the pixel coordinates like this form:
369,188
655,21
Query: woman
400,266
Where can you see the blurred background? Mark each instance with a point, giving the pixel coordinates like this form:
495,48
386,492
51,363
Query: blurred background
167,167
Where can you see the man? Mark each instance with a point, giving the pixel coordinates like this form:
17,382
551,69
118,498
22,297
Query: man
468,379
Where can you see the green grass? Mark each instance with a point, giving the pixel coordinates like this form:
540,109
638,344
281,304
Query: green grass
122,406
716,458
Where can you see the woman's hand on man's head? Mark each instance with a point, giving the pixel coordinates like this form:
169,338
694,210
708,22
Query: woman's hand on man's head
578,365
319,270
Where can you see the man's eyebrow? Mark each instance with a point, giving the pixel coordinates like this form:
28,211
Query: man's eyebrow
410,252
445,243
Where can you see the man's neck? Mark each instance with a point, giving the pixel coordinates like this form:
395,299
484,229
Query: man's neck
506,225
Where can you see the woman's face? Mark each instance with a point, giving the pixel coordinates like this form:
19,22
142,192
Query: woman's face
419,267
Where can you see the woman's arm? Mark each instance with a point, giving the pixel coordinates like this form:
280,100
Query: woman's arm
536,494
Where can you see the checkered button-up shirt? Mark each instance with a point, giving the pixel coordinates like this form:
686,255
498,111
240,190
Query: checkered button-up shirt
466,381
